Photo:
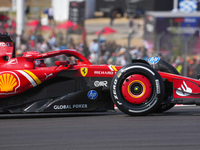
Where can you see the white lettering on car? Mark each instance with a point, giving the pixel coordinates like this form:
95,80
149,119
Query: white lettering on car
74,106
62,107
104,72
80,106
4,44
100,83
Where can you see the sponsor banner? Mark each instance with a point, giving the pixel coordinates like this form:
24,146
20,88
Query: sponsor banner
165,27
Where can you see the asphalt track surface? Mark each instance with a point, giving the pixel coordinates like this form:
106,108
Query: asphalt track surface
176,129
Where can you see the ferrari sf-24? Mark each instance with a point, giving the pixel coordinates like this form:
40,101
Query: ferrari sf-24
28,85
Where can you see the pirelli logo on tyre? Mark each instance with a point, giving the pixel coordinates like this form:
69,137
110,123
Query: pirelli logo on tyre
157,86
119,75
114,89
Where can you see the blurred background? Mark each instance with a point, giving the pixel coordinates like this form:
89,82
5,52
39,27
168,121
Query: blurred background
108,31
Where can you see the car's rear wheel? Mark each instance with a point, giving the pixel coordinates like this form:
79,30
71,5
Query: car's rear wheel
137,89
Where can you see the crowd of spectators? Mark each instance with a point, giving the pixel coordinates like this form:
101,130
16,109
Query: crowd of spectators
192,66
103,52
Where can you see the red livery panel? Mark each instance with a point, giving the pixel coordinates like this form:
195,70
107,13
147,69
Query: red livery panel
97,71
17,81
186,89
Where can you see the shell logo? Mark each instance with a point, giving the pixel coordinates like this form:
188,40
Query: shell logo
8,83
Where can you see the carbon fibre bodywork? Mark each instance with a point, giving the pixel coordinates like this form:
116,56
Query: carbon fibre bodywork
27,86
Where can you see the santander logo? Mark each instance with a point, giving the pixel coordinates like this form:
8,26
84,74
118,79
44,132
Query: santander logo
184,90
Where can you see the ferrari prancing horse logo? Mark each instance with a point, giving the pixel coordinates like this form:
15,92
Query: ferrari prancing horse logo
84,71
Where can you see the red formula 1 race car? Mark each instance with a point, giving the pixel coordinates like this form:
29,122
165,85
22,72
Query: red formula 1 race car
28,85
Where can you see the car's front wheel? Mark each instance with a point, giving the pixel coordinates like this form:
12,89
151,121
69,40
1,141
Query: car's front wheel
137,89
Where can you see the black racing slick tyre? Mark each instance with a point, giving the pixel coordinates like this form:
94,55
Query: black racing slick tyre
163,66
137,89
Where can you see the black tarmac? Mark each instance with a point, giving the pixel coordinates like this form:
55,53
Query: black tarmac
172,130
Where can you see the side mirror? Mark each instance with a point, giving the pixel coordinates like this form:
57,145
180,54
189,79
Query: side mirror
58,63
